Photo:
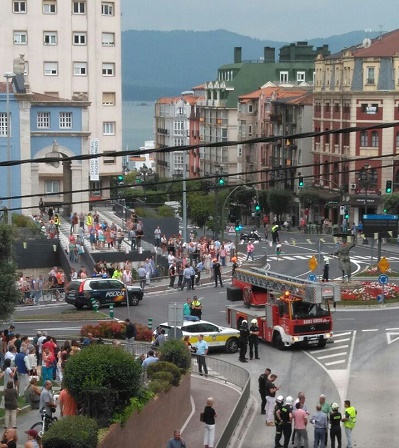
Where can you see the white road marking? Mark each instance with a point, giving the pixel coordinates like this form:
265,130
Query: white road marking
334,355
371,329
339,347
334,362
337,341
391,329
392,337
343,334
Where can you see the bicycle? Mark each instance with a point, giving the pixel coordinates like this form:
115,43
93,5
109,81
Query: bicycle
42,426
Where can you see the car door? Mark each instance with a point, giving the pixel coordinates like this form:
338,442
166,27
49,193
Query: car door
211,335
116,292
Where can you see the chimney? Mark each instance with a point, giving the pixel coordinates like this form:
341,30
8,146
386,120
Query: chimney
269,54
237,55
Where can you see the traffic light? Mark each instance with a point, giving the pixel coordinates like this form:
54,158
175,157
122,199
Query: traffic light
237,226
221,182
120,178
300,181
138,180
346,215
388,187
257,209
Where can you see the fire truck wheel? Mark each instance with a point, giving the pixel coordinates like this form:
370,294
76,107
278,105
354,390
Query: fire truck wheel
231,345
278,342
322,343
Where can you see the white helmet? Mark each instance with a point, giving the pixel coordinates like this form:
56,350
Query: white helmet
334,407
244,322
254,321
289,400
280,399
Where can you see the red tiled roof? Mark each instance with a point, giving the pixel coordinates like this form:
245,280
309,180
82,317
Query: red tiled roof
386,45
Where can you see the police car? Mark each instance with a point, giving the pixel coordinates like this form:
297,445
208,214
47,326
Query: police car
214,335
94,292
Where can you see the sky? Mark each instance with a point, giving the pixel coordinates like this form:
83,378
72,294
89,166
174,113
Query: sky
287,20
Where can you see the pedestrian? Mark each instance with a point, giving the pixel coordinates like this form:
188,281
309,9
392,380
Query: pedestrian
335,418
301,399
243,341
68,404
157,237
349,422
235,265
278,250
326,269
262,384
277,420
300,422
176,441
187,311
34,440
271,390
150,359
209,420
326,408
160,339
222,255
250,251
319,420
198,269
186,277
21,362
9,439
284,416
142,276
10,405
172,275
217,272
253,339
32,393
130,331
201,351
196,307
42,207
275,234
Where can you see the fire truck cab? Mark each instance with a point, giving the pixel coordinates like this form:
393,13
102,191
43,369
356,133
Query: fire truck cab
289,311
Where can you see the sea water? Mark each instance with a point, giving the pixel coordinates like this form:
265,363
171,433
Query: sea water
137,122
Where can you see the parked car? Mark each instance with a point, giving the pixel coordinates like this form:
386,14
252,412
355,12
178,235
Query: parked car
214,335
95,292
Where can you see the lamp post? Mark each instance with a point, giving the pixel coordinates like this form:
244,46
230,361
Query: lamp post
8,76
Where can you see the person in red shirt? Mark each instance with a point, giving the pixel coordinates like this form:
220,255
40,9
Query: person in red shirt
68,405
300,422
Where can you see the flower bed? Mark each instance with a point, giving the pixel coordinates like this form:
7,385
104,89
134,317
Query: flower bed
368,291
115,330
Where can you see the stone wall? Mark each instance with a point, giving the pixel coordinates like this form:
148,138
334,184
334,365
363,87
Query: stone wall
154,425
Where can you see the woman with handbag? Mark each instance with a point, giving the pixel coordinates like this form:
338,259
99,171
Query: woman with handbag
209,420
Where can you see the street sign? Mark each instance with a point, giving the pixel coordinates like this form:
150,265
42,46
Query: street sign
312,263
312,277
385,225
383,265
383,279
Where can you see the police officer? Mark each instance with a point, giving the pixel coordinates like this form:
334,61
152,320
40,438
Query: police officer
253,339
335,421
196,307
326,269
243,341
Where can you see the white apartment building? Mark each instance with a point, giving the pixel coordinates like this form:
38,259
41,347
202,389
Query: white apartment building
72,50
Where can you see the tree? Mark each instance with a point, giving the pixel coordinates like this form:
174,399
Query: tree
200,207
279,201
308,198
9,293
391,203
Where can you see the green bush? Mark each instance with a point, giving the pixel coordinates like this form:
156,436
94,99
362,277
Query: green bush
175,351
164,367
158,386
103,378
72,432
136,405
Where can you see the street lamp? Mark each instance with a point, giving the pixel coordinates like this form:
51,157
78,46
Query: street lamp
8,76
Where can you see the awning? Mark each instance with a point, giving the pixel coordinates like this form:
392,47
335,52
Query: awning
324,195
360,201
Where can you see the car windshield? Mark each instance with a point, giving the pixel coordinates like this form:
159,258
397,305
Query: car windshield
303,310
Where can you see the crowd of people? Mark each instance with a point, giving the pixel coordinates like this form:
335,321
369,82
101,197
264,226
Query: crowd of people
291,417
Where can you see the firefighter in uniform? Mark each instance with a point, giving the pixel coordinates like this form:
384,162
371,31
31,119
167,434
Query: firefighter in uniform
243,341
253,339
335,421
285,416
277,420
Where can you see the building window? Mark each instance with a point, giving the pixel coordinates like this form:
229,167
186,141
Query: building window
109,157
107,9
397,139
3,124
364,139
80,68
79,7
108,98
51,68
370,75
109,128
375,139
300,76
52,186
19,7
108,69
250,108
50,38
336,108
283,76
50,7
79,38
65,120
108,39
43,120
20,37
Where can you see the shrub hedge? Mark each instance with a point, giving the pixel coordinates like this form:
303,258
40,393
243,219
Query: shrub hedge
72,432
116,330
176,352
164,367
103,378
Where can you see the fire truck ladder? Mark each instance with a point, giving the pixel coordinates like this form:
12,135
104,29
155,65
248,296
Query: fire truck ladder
274,282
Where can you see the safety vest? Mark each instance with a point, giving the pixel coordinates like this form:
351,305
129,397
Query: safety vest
351,411
57,221
89,220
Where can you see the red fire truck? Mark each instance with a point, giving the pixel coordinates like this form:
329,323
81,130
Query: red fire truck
289,310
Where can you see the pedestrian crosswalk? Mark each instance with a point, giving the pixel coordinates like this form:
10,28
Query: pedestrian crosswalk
355,258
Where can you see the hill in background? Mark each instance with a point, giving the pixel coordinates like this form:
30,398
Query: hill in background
165,63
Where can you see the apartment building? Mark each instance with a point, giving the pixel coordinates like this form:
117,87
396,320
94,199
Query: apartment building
218,111
72,50
358,86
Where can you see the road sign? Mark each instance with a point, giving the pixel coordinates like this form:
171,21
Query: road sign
231,230
383,279
312,277
312,263
381,224
383,265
